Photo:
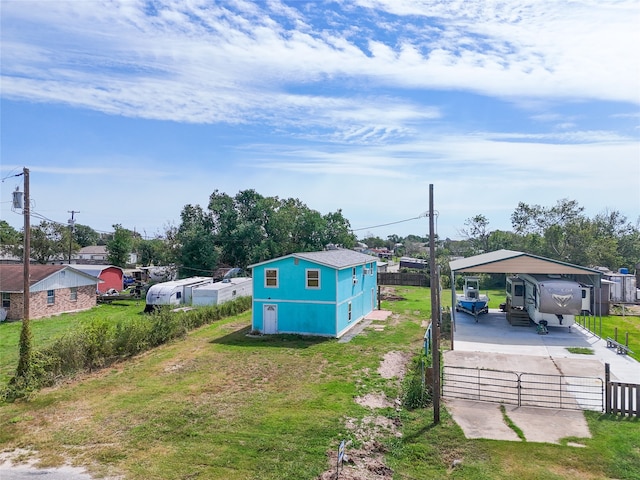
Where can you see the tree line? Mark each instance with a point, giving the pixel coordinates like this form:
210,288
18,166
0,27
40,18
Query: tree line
236,231
231,231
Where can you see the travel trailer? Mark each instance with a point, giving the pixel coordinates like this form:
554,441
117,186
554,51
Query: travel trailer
552,299
224,291
176,292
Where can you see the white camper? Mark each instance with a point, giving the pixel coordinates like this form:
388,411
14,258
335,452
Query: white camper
553,299
176,292
224,291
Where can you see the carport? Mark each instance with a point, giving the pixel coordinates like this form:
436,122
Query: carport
513,262
499,364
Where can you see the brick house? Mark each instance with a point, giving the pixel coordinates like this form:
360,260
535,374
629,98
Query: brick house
53,289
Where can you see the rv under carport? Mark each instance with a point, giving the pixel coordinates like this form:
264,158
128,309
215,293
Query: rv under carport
513,262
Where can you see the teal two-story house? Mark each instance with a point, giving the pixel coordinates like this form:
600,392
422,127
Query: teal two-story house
315,293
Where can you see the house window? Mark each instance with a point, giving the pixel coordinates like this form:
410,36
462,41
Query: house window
6,300
73,296
271,277
51,297
313,278
350,311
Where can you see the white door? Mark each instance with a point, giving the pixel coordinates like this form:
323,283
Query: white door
270,319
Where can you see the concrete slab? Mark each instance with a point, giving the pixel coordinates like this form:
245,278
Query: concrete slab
547,425
493,343
480,419
543,425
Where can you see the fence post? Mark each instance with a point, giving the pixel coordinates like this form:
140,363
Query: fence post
607,388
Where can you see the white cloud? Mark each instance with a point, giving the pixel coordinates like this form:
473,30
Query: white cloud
233,62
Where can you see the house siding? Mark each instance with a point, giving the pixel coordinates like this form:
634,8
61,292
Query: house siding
320,311
39,308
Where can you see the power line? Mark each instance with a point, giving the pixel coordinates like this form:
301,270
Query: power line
422,215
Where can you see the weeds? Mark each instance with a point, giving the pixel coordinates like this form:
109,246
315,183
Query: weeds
100,343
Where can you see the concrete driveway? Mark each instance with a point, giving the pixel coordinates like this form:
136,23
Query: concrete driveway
493,343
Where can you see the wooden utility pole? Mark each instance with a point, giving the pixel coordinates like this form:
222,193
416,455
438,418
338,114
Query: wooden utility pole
24,360
435,312
26,257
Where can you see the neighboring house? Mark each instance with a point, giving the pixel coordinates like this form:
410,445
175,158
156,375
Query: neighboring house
97,255
316,293
409,262
111,276
53,289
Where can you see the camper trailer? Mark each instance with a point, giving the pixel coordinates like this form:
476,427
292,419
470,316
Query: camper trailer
176,292
552,299
224,291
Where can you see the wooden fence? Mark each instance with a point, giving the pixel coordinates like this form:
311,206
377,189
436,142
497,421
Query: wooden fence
403,279
621,398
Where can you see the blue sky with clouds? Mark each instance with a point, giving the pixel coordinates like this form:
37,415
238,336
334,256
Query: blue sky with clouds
128,110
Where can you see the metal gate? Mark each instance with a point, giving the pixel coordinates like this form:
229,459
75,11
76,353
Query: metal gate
523,389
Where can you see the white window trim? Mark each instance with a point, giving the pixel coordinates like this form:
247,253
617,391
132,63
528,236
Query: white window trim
277,278
52,297
306,278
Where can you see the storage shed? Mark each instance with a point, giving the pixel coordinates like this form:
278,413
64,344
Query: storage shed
111,276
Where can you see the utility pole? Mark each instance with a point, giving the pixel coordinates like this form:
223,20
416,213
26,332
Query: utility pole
435,312
71,223
24,361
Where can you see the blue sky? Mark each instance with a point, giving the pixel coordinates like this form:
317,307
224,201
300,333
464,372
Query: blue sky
128,110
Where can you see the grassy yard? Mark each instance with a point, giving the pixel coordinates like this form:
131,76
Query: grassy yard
222,404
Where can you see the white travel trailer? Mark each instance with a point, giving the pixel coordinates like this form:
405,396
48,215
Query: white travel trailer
176,292
224,291
553,299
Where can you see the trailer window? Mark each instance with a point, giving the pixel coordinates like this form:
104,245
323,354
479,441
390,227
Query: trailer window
518,291
271,277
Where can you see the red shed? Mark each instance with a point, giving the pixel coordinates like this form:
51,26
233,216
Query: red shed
110,275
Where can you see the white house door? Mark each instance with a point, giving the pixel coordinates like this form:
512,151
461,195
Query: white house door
270,319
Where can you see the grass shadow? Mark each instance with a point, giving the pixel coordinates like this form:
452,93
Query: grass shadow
241,338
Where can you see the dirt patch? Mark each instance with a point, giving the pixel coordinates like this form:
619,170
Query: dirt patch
367,461
373,400
389,294
394,365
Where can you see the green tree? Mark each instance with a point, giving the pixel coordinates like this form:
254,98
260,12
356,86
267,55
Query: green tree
85,236
476,231
50,242
119,248
154,252
10,239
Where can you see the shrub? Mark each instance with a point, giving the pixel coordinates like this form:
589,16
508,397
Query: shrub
415,390
100,343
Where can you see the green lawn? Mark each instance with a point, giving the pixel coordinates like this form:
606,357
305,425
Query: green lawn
221,404
44,330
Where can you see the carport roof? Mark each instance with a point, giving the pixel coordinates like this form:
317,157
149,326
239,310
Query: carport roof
510,261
